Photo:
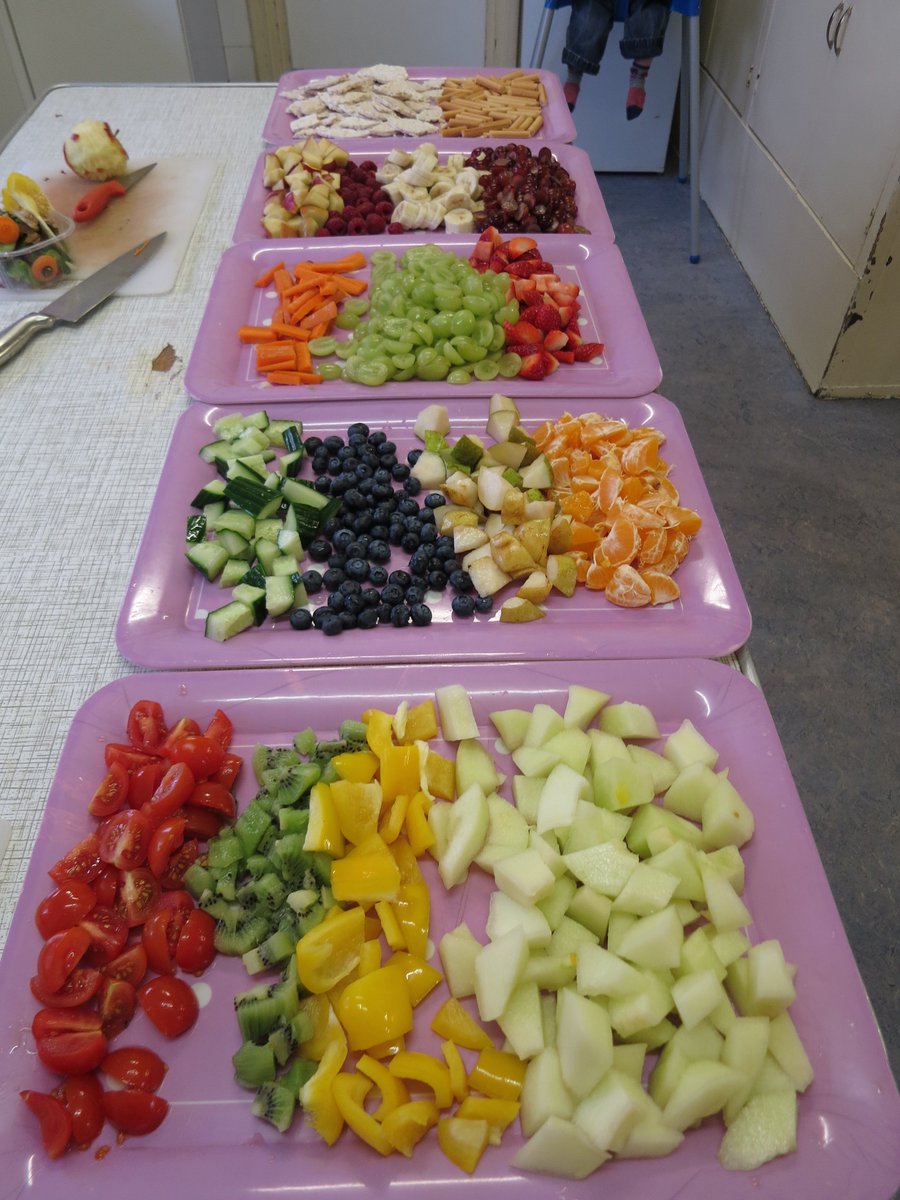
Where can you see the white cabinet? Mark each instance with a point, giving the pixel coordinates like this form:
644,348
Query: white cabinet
800,153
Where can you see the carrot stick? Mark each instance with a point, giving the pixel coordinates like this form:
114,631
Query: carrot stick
265,279
288,331
302,356
282,280
302,310
327,312
293,377
318,331
250,334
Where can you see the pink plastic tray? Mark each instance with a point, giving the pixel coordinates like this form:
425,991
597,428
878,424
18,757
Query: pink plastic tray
558,126
222,371
160,624
210,1144
592,212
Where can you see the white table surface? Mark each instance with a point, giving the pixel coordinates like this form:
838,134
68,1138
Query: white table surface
85,427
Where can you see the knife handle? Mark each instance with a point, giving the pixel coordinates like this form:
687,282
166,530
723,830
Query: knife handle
93,203
16,336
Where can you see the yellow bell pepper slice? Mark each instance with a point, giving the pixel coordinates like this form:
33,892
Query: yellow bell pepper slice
459,1084
379,735
463,1140
440,776
358,808
421,723
388,1048
316,1096
390,926
392,1088
399,771
349,1094
392,822
358,766
318,1009
407,1125
421,976
454,1022
413,1064
324,830
375,1008
413,911
406,860
331,950
418,831
499,1114
370,956
367,874
498,1074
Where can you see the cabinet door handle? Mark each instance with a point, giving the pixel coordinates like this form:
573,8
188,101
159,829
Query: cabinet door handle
837,12
840,29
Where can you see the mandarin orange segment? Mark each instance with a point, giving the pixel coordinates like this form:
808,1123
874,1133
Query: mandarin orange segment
663,588
608,489
632,489
584,537
684,519
622,542
653,546
598,576
627,588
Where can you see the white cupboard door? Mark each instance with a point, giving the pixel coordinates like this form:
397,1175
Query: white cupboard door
733,43
831,120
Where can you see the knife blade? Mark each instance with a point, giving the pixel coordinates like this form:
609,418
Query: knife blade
93,203
80,300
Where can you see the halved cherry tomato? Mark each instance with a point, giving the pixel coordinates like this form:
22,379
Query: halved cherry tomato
165,840
138,895
108,931
136,1113
56,1122
117,1000
72,1053
220,729
49,1021
145,780
146,726
131,759
202,823
184,727
64,907
202,755
81,986
173,876
159,938
107,884
214,796
170,1004
60,955
175,898
81,862
172,792
82,1096
125,839
112,793
196,947
229,770
131,965
136,1067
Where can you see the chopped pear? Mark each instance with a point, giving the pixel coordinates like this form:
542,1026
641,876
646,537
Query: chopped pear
518,610
510,454
512,510
534,535
560,534
511,556
487,577
562,573
460,488
467,538
536,588
430,470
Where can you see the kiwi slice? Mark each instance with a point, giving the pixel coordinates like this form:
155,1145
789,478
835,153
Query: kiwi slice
275,1104
298,1073
245,935
282,1043
258,865
198,879
276,948
285,785
254,1065
250,827
293,820
266,893
305,742
267,758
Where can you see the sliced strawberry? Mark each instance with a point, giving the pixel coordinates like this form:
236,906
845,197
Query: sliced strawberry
566,291
563,356
530,255
523,331
518,246
551,363
525,268
568,313
481,254
555,340
588,350
575,338
498,263
523,349
492,235
533,367
525,292
545,316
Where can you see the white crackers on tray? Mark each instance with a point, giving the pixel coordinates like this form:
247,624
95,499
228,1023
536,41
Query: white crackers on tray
378,101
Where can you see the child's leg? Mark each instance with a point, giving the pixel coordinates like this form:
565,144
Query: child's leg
586,37
645,30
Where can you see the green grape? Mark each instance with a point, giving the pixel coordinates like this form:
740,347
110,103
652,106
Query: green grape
396,327
441,324
321,347
437,368
346,320
344,350
424,331
484,332
373,373
403,362
462,323
509,365
332,370
459,375
382,256
487,369
449,351
398,306
358,305
498,341
422,293
507,312
393,347
401,375
426,355
448,299
481,306
468,348
371,349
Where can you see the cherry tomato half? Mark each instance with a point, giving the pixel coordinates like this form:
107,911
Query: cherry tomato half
202,823
60,955
172,879
145,780
170,1004
81,986
165,840
135,1067
117,1000
196,947
202,755
55,1120
138,895
220,729
48,1022
72,1053
159,937
131,965
108,931
83,1097
229,770
65,907
106,885
121,752
172,792
136,1113
112,793
82,862
214,796
125,839
146,727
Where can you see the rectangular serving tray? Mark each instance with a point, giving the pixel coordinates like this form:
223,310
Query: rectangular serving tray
559,125
210,1144
221,369
160,624
592,212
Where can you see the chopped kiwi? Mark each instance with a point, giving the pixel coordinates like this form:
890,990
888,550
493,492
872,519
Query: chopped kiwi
258,1017
276,1104
226,884
302,900
266,758
258,865
246,934
282,1043
225,911
266,893
223,852
293,820
298,1073
276,948
198,879
305,742
250,827
285,785
254,1065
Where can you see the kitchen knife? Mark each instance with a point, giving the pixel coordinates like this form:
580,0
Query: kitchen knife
93,203
83,298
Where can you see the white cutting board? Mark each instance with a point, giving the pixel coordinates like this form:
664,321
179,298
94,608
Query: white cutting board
171,198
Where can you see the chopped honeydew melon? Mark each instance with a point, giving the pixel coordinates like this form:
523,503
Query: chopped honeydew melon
512,725
591,910
654,941
604,746
573,747
696,995
569,936
507,833
550,971
612,1109
584,1041
455,709
703,1088
728,862
726,909
524,876
604,867
688,791
620,783
726,819
475,764
559,1147
563,789
582,705
466,830
521,1021
746,1044
601,973
629,720
458,950
770,983
556,904
527,793
661,771
543,723
544,1093
498,970
765,1128
641,1010
686,746
787,1049
505,913
647,890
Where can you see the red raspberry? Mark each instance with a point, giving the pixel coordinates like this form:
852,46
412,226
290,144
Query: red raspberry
336,225
395,227
356,227
385,209
375,223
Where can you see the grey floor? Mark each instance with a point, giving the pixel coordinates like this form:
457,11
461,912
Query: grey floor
807,493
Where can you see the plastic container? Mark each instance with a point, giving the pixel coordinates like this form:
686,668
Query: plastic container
41,264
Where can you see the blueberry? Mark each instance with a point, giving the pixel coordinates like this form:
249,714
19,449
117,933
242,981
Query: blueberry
395,534
413,457
400,615
381,514
392,594
350,587
367,619
355,500
399,472
421,614
357,568
333,578
378,576
323,485
353,549
382,475
370,597
443,547
345,452
330,527
319,466
342,539
409,542
401,578
461,581
312,581
414,595
301,618
337,602
319,615
379,533
463,605
434,500
363,522
376,438
349,620
382,491
419,562
428,534
358,430
363,471
378,551
484,604
426,517
366,487
333,443
318,549
437,580
408,507
334,465
337,561
384,613
332,624
311,444
412,486
386,447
